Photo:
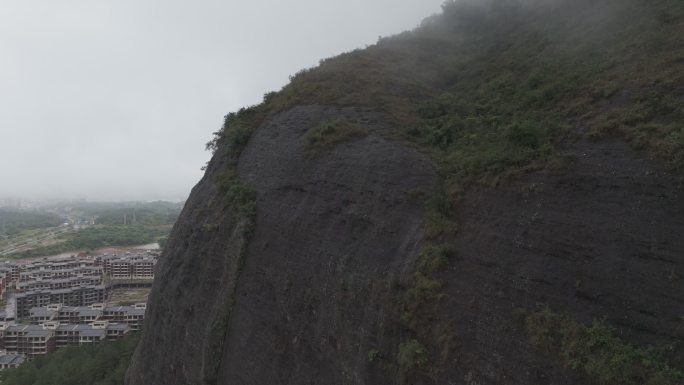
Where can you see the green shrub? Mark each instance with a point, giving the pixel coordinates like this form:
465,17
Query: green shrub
439,215
412,355
329,134
433,258
525,135
597,351
374,355
423,289
237,129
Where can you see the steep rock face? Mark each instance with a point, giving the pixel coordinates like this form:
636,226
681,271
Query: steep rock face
599,238
197,278
315,292
336,240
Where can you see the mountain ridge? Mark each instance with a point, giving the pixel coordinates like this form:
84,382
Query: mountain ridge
495,200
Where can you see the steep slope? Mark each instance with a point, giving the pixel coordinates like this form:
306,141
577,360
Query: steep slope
328,229
493,198
598,241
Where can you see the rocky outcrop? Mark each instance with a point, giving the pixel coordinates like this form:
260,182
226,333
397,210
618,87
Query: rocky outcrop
316,290
321,282
599,238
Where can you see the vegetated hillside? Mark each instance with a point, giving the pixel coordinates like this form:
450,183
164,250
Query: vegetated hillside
141,213
14,221
493,198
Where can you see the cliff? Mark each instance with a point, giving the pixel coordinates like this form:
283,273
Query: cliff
493,198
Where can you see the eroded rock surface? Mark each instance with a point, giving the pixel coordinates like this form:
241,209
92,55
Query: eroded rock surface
600,238
335,246
315,293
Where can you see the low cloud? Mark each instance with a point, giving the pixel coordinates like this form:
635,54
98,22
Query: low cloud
115,100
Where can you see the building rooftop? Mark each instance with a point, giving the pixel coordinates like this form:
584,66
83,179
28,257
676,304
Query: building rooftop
123,327
118,308
88,312
135,311
58,291
38,333
73,327
30,330
93,333
11,359
41,312
125,309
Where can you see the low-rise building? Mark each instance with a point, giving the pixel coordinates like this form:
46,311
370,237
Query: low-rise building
4,281
132,316
11,270
39,315
76,296
35,275
34,340
129,266
29,340
9,361
80,334
80,314
58,283
4,317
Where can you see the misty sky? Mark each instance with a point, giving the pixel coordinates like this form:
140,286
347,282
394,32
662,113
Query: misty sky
114,100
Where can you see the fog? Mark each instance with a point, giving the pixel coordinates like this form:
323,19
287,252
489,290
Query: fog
114,100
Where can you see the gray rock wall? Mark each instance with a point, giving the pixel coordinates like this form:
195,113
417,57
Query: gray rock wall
316,292
334,249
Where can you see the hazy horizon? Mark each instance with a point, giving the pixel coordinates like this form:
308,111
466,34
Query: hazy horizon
114,101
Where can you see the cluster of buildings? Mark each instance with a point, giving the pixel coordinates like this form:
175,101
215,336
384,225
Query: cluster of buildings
33,340
62,302
75,281
132,316
128,266
73,296
56,326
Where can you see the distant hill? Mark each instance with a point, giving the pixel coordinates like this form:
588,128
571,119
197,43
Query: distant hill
144,213
97,225
14,221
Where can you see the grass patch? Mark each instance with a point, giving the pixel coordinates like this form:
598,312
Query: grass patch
439,215
129,296
425,287
433,258
100,236
329,134
597,351
412,355
418,310
374,355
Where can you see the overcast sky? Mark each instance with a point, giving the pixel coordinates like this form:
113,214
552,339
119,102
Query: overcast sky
114,100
